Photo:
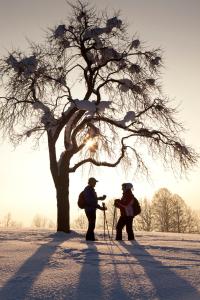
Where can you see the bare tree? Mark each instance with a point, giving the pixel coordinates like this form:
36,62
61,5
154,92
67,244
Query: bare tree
80,222
121,108
192,221
9,222
145,220
163,210
39,221
179,214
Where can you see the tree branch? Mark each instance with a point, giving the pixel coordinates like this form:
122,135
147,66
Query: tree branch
96,163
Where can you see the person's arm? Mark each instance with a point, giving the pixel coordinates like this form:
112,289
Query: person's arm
101,207
101,198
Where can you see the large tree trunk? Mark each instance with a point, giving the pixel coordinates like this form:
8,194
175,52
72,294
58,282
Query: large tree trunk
60,175
62,189
63,208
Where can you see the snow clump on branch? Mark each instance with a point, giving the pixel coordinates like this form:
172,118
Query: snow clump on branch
113,23
91,106
125,85
60,35
47,118
27,65
60,31
110,24
129,117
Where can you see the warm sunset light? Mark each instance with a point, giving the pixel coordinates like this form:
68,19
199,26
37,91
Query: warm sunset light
27,187
90,143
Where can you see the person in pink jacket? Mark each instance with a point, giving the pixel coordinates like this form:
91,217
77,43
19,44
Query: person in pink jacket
127,212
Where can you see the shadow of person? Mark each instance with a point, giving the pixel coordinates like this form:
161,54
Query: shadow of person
100,284
117,290
167,284
89,285
19,285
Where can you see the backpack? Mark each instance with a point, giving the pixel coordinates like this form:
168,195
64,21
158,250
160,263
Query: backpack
81,200
136,207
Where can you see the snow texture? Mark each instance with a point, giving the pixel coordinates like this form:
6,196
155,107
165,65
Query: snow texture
103,105
46,265
129,117
91,106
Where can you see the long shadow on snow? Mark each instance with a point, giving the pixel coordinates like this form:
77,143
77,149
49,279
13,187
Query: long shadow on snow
118,290
174,249
90,280
167,284
90,283
21,282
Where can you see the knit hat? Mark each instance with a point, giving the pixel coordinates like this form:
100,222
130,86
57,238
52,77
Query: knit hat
128,185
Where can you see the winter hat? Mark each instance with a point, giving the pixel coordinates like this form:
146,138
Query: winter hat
128,186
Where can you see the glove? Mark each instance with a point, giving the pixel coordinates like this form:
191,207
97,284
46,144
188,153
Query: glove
103,208
103,197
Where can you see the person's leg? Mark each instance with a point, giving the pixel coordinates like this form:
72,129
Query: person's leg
129,228
91,216
120,225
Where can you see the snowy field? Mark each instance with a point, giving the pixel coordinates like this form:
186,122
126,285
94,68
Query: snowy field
48,265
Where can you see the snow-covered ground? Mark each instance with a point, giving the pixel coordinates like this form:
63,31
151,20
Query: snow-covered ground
48,265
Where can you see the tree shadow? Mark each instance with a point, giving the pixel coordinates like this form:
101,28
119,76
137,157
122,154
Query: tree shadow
19,285
167,284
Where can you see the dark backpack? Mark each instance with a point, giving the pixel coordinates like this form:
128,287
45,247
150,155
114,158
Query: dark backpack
136,207
81,200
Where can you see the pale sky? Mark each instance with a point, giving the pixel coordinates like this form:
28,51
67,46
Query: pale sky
26,187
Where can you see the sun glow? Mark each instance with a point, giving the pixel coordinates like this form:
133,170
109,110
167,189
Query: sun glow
90,143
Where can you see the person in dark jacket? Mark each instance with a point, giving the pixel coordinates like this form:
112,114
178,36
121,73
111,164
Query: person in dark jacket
92,205
126,209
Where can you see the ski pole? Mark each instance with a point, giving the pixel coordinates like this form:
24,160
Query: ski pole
113,224
104,222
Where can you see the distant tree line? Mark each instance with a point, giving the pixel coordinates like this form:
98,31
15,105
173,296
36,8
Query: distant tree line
8,222
38,222
165,212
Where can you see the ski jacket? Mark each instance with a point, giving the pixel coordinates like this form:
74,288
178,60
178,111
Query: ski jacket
91,199
126,204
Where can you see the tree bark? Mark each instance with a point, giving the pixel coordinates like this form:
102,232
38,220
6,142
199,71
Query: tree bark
63,207
62,189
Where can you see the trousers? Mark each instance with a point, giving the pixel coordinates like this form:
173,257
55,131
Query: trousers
125,221
91,216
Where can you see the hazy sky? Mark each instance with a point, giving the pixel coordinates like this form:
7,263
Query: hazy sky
26,187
